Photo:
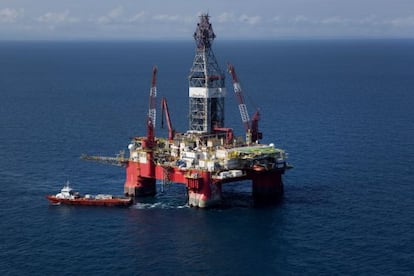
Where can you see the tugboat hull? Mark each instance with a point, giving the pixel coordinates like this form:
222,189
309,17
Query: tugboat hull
91,201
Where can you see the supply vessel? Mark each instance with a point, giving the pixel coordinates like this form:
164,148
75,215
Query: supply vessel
208,155
70,197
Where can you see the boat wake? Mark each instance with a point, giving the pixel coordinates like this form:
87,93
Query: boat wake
157,205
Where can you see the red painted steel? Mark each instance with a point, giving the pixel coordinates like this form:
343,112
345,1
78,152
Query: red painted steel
91,202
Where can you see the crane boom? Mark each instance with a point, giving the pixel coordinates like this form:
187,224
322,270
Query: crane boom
250,126
152,113
164,109
238,92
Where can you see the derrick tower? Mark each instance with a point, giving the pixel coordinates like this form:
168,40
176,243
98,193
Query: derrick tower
206,83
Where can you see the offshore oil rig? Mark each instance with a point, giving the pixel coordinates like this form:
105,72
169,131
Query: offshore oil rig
208,154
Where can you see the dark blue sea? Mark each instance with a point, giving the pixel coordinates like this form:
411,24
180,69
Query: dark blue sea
342,109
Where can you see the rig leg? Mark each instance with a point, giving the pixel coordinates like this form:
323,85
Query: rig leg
205,199
145,187
136,185
204,193
267,186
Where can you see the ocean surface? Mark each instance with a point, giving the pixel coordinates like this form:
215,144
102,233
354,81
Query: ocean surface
342,109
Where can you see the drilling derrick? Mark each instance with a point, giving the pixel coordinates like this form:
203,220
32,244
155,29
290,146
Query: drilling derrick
206,83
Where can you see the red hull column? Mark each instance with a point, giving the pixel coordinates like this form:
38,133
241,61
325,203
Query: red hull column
267,186
136,184
202,191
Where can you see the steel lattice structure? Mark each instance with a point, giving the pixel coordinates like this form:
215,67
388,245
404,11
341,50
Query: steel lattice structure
206,83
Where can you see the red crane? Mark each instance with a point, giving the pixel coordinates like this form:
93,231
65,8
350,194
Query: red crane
164,109
152,112
251,126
